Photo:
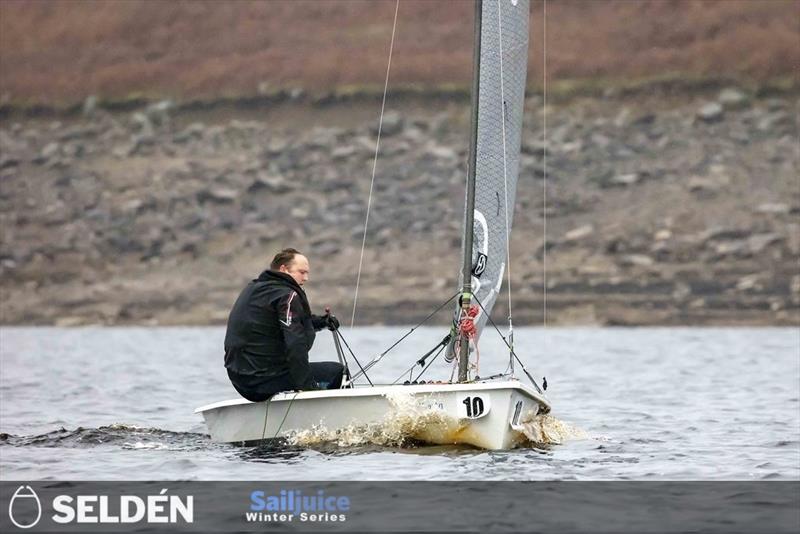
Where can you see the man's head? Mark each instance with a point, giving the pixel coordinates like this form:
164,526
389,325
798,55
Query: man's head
291,262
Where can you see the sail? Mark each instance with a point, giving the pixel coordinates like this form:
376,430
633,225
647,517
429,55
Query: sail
501,95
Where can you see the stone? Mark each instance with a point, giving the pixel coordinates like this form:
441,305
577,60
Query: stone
276,146
776,120
775,104
195,130
758,242
625,180
773,208
271,183
732,98
89,106
159,112
738,247
140,142
681,291
663,234
441,152
721,232
751,281
645,119
141,123
710,112
700,184
342,152
219,195
7,162
637,260
69,321
50,151
579,233
392,124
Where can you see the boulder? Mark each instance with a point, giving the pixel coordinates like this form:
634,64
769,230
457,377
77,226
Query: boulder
48,153
343,152
701,184
776,122
637,260
722,232
710,112
758,242
141,123
219,195
576,234
732,98
441,152
272,183
624,180
392,124
140,143
773,208
89,106
159,112
195,130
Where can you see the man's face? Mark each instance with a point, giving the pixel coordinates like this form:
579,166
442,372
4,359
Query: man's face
298,269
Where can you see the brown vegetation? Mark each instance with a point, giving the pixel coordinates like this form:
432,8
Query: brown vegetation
57,53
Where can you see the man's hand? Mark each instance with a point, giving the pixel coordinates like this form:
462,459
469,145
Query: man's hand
331,322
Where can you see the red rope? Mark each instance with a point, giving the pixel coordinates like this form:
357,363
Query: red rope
470,332
467,323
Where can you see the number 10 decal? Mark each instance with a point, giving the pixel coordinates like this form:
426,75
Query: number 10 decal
473,407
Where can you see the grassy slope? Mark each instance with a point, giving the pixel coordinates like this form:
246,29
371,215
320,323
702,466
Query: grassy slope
57,53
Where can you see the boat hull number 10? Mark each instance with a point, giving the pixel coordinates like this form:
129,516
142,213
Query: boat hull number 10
473,407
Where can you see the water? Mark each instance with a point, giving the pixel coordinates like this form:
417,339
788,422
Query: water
645,404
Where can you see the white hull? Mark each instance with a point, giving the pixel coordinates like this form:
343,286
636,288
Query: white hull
487,415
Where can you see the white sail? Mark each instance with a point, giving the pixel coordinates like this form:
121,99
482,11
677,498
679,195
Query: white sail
501,96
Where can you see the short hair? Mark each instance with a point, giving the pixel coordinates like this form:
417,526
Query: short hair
284,257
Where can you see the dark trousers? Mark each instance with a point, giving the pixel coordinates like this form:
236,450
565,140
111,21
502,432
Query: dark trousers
328,375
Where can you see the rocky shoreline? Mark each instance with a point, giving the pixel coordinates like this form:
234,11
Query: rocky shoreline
660,211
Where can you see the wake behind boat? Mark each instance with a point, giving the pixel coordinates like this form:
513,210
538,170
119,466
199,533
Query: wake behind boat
490,413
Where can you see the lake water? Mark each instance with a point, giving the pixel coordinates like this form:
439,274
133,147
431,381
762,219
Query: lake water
645,404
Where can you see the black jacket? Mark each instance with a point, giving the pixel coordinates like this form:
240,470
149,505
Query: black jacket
271,329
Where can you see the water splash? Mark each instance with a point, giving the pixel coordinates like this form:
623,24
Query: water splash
408,422
544,429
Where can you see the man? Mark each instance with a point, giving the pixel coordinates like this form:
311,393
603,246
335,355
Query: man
270,331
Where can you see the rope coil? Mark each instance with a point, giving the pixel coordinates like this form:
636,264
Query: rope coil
466,324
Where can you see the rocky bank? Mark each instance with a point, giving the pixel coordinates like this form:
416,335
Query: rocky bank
659,210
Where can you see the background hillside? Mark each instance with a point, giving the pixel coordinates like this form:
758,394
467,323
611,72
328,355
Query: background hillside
58,53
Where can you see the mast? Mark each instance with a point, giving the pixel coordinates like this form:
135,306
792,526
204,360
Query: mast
469,220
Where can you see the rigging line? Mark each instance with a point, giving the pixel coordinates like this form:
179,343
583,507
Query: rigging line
374,164
430,362
363,371
266,414
285,415
440,346
505,162
343,359
510,348
544,160
377,358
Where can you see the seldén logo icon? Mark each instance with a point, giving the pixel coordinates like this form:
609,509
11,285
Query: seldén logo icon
24,505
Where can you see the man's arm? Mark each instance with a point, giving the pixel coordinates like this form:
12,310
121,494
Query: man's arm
319,322
325,321
290,315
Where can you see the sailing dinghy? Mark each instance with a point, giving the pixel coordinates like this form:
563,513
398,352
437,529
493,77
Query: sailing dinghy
486,413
